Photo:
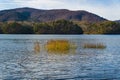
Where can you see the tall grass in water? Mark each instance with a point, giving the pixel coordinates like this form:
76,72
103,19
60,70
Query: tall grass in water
94,46
36,47
58,46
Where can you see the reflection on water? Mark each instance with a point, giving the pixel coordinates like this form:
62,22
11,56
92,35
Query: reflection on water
18,60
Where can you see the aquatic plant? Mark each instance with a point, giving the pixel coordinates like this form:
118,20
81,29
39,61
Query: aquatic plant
58,46
36,47
94,46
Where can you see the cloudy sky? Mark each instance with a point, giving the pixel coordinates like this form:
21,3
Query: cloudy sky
109,9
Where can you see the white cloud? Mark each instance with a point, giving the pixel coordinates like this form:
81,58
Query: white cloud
46,4
111,12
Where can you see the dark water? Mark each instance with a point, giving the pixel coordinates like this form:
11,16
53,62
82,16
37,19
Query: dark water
20,61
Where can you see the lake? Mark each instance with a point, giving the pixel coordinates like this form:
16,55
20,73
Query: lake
75,57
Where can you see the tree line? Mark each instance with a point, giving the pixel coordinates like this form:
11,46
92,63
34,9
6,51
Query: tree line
106,27
60,27
54,27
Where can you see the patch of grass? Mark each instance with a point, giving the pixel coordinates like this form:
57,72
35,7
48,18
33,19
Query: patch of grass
36,47
94,46
58,46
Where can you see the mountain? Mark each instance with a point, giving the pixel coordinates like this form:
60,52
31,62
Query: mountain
37,15
117,21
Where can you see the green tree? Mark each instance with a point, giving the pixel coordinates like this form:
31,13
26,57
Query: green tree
16,28
106,27
1,31
57,27
66,27
41,28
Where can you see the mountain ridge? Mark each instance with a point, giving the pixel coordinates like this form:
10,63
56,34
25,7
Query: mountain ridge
40,15
117,21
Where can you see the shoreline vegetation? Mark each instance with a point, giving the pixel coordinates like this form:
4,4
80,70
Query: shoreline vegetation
60,27
53,27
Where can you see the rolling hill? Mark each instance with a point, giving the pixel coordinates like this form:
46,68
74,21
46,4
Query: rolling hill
38,15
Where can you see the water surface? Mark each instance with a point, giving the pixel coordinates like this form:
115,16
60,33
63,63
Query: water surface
26,57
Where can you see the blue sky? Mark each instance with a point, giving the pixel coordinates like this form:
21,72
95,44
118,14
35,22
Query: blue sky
105,8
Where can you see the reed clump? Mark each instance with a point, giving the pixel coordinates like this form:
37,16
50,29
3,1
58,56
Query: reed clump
59,46
94,46
36,47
